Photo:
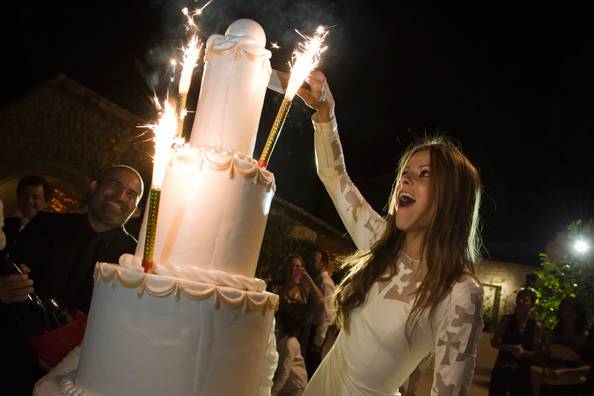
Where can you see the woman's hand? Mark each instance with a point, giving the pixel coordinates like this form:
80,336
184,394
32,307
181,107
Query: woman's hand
306,278
318,96
309,282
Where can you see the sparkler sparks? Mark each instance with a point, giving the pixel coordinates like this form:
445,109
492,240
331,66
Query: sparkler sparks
191,54
169,126
190,15
164,139
305,58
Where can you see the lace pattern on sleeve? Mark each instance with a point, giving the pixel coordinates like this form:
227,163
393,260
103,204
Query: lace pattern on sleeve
363,224
456,343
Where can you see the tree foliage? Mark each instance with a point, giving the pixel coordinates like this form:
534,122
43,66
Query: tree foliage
278,243
566,272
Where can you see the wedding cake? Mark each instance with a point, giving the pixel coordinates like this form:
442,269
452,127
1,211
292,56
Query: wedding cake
201,324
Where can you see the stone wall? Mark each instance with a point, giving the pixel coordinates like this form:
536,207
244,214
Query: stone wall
507,278
66,131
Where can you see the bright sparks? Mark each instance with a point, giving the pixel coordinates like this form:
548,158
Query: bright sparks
305,58
164,139
157,103
191,55
190,15
274,45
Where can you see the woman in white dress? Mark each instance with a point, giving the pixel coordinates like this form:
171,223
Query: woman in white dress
410,289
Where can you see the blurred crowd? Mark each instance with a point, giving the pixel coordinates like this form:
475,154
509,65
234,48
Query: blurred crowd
536,361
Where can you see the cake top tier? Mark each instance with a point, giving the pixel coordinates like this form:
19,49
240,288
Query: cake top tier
236,74
247,28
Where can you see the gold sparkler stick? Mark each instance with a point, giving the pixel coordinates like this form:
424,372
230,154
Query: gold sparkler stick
151,230
182,114
191,54
279,121
305,59
164,132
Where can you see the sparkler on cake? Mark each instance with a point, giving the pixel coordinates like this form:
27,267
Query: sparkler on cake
170,124
305,58
164,135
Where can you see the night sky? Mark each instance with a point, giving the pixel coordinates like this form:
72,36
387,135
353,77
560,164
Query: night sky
512,85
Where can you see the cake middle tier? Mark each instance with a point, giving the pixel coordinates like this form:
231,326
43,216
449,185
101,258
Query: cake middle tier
151,335
213,211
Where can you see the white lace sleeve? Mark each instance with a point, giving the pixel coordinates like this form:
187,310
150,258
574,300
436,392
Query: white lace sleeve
364,224
456,339
269,366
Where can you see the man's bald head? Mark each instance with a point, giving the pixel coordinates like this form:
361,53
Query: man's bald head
116,168
114,197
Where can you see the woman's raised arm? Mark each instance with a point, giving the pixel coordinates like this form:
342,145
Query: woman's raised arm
363,223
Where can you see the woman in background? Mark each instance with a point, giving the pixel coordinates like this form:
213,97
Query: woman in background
518,338
565,366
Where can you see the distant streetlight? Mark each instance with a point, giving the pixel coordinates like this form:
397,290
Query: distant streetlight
581,246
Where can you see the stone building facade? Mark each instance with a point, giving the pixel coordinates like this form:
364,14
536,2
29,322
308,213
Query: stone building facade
68,134
500,281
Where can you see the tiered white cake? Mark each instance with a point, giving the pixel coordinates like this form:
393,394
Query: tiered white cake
202,325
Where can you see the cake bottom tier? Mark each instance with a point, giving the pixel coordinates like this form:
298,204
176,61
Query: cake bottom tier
154,335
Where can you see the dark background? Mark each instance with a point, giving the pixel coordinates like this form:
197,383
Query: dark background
512,85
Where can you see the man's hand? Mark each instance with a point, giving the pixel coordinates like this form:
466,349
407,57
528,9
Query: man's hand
318,96
15,287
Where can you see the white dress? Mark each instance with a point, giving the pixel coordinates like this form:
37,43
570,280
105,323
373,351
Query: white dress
290,378
374,356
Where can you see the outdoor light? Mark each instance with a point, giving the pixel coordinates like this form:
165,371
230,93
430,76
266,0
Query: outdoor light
581,246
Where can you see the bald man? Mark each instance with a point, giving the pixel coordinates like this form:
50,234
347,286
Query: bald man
58,251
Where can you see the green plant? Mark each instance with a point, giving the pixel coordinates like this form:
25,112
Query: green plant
566,273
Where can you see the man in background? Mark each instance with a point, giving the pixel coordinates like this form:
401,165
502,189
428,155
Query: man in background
57,253
33,195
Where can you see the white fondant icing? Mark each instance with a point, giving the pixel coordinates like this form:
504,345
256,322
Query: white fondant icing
158,345
218,278
236,74
212,213
247,28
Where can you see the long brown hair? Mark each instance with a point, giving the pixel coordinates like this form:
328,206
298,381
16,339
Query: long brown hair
450,246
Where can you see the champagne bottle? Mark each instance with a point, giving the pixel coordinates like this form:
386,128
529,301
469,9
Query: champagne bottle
31,314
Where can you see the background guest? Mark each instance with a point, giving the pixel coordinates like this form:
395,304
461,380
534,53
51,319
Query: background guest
518,338
565,367
33,194
290,378
299,291
322,319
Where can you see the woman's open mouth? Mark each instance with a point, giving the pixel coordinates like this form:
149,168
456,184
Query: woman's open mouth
405,200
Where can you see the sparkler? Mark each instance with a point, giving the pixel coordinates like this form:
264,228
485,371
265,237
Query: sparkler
168,131
164,139
190,58
191,54
305,58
